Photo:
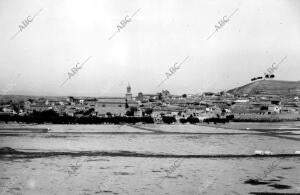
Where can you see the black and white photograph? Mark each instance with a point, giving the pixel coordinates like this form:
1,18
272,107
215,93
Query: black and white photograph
149,97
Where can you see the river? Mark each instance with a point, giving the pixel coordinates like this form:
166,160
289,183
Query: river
150,159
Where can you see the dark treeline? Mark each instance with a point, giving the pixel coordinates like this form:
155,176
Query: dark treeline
191,120
168,119
219,120
216,120
51,116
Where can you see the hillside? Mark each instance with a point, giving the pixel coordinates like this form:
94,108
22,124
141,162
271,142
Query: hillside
269,87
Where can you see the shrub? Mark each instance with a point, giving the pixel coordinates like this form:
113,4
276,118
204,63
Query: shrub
169,119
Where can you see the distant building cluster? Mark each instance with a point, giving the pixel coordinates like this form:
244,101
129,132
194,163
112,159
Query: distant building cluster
202,106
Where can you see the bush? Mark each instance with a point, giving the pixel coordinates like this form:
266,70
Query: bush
230,117
182,120
193,120
169,119
216,120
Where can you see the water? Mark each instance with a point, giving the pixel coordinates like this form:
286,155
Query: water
105,173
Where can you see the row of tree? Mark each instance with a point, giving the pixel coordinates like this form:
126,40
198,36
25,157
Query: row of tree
51,116
267,76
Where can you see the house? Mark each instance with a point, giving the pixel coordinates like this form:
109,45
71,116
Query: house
150,97
138,113
70,111
90,101
54,102
208,94
113,105
241,101
167,110
72,100
259,107
274,109
39,106
8,111
140,97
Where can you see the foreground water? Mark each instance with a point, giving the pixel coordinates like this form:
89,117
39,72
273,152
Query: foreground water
150,159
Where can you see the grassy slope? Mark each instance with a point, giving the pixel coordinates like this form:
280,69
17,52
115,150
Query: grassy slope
269,87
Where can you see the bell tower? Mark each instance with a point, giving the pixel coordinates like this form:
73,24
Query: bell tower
128,94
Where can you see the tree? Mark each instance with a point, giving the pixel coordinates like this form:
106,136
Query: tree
89,111
184,95
160,96
264,108
168,119
192,120
149,111
131,111
16,107
183,120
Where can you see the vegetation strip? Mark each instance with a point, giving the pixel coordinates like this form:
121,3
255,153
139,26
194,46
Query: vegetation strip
131,133
11,153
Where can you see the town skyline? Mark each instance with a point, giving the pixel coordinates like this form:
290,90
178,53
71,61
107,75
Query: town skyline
135,94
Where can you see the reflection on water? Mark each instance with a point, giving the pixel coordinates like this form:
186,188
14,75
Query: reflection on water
97,174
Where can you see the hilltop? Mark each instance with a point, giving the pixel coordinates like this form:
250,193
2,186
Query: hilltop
269,87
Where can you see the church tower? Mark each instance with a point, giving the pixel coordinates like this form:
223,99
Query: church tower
128,94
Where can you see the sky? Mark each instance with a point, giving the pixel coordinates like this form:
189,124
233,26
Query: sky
162,33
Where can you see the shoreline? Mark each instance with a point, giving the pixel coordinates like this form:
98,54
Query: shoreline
10,153
202,123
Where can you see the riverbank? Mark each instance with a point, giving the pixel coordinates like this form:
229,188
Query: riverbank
231,127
